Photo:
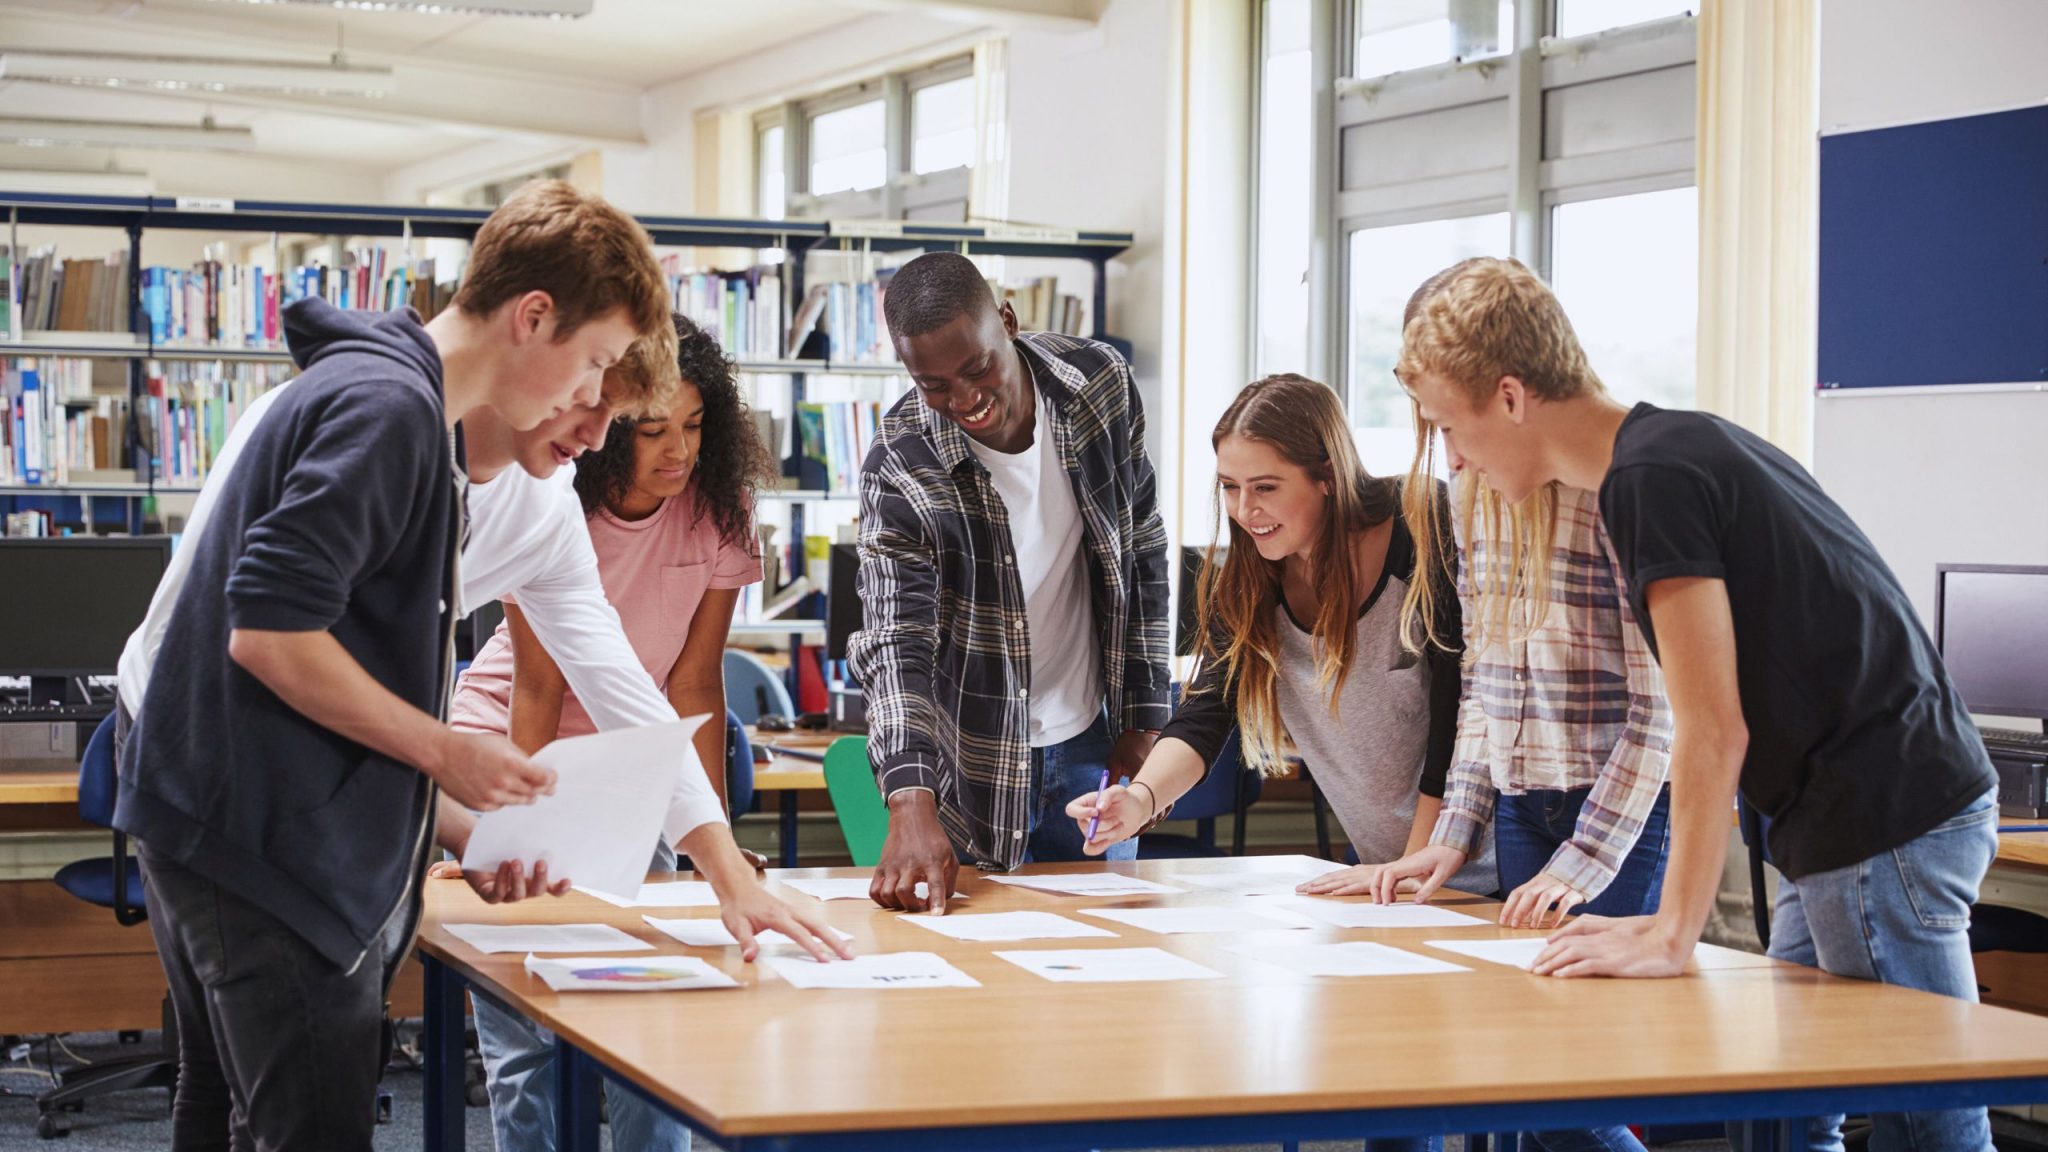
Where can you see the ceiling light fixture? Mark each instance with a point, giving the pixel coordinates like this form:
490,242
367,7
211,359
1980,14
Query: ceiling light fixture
46,132
548,9
125,70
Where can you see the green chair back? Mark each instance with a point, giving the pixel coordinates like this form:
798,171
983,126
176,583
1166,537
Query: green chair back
863,816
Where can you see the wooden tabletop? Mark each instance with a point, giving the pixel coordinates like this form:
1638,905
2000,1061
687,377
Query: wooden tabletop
2027,850
789,773
39,787
772,1059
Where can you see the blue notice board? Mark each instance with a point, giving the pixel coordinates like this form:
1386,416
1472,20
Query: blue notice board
1934,253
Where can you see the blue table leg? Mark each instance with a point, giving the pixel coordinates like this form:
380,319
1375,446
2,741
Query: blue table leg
789,827
445,1126
576,1099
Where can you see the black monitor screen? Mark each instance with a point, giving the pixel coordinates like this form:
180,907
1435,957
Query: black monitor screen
842,601
68,605
1992,625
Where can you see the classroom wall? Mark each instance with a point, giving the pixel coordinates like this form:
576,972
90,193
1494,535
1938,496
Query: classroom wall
1955,476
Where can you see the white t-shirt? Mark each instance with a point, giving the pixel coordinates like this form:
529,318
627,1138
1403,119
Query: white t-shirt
1047,539
526,538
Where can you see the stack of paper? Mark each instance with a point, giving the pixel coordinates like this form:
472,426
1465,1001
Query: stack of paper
1202,918
1088,884
881,970
670,894
1351,958
488,938
628,974
707,933
990,927
1109,965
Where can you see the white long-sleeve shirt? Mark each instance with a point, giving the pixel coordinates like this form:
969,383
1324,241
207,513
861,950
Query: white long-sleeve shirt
527,539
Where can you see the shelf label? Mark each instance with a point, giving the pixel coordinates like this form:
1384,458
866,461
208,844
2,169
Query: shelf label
1033,233
878,229
205,204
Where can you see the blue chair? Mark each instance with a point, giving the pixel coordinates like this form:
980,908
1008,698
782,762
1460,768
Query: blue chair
739,767
1228,789
753,690
115,882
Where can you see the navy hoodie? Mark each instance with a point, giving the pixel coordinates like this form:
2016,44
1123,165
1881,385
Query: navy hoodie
341,515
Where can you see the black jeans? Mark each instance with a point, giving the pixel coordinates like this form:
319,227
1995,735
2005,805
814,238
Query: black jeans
277,1047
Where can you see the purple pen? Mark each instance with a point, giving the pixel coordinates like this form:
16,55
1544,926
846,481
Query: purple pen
1095,821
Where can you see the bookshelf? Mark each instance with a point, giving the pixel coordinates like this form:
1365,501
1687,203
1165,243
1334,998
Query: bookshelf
797,240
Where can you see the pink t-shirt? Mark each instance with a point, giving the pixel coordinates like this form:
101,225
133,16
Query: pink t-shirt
655,572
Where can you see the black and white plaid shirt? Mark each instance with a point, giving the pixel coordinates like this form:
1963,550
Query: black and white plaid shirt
944,658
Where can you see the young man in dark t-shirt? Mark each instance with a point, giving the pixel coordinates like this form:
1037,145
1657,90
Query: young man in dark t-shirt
1793,661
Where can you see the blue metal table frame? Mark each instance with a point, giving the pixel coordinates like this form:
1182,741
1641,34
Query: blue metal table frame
1767,1115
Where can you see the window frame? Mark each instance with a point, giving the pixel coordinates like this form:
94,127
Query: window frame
903,193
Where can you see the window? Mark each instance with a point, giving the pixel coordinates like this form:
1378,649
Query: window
942,126
1285,199
771,183
1585,17
1627,271
1387,265
1397,35
849,149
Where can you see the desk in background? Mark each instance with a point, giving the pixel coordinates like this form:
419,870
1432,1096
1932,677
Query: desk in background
797,767
1258,1056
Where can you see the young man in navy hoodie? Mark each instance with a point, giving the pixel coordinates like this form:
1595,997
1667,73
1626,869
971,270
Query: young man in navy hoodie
281,780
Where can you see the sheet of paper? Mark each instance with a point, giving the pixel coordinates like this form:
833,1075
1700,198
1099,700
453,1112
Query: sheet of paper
855,889
612,792
1088,884
1109,965
878,970
1203,918
1348,915
490,938
1269,881
628,974
996,927
703,932
668,894
1350,958
1520,952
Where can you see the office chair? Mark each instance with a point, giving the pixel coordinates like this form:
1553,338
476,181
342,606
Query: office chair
739,767
856,800
1228,789
752,689
113,882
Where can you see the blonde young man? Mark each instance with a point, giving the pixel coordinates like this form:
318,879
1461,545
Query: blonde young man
1795,666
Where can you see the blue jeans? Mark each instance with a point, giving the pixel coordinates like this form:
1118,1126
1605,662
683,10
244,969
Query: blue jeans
519,1075
1527,830
1901,917
1059,774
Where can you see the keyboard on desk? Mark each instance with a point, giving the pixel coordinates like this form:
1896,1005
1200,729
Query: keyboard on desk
17,712
2014,740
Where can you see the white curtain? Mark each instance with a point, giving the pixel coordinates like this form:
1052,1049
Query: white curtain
1758,165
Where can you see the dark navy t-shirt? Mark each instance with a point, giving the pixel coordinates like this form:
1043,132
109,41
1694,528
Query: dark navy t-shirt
1858,742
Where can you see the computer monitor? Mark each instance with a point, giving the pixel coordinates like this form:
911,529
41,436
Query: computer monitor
1991,624
842,600
70,602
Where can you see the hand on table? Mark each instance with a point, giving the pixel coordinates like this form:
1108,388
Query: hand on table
507,884
753,909
1421,872
1632,946
916,851
1532,905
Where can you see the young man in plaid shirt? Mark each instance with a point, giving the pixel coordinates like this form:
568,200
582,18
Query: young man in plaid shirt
1013,582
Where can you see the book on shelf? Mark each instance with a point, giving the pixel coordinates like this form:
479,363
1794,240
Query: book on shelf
48,294
1042,307
238,306
187,409
836,435
843,321
741,310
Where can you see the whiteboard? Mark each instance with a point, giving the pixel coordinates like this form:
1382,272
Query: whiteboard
1946,475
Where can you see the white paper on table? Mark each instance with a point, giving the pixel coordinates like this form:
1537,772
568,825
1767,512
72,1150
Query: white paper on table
628,974
1203,918
668,894
1515,953
489,938
877,970
1279,877
1385,915
1088,884
993,927
840,889
1109,965
611,796
703,932
1349,958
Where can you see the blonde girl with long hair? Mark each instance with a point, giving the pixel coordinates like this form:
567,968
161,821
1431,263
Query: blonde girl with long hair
1301,636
